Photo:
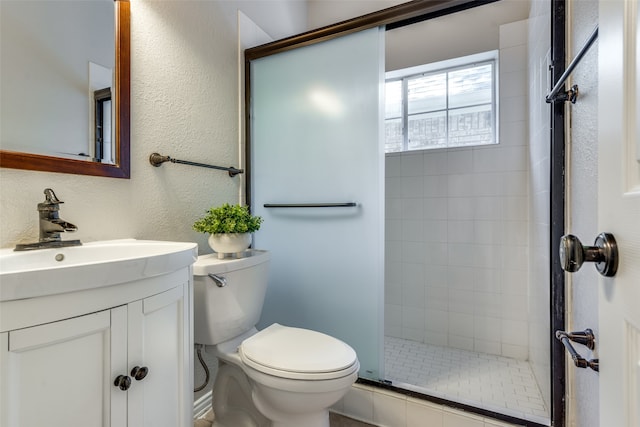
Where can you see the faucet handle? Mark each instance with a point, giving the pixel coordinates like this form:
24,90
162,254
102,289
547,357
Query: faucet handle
50,197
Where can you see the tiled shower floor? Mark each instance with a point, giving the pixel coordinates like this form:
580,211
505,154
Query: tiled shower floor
495,383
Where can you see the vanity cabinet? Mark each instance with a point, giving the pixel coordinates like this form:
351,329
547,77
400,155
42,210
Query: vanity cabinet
62,372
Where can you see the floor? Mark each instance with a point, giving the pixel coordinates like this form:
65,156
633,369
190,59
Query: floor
490,382
336,420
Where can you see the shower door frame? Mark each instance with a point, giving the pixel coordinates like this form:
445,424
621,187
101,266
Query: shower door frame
422,10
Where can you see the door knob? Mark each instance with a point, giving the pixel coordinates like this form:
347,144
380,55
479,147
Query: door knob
139,372
123,382
604,254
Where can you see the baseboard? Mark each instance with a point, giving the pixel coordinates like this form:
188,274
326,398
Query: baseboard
202,405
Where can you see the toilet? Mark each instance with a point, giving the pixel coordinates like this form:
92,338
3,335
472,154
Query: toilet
279,376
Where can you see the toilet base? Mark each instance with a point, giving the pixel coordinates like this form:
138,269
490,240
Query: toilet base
232,404
240,402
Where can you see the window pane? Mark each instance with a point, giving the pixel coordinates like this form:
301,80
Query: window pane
470,86
471,126
393,99
427,93
428,130
393,135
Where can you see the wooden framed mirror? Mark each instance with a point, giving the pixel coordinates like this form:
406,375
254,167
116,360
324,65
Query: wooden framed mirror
120,166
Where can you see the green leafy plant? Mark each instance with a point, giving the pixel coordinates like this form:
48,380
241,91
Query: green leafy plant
228,219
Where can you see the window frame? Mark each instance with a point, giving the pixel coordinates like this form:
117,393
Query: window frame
446,66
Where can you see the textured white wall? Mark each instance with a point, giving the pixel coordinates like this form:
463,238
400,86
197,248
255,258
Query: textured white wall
582,221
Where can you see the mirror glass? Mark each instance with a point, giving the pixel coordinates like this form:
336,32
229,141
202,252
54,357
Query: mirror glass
62,67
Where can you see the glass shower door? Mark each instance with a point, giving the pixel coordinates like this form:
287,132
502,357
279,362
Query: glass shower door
316,144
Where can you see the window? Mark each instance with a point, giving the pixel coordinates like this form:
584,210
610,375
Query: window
447,104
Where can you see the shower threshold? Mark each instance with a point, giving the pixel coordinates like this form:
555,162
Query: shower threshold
493,383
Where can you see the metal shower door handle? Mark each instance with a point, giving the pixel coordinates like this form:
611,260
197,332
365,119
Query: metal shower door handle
604,254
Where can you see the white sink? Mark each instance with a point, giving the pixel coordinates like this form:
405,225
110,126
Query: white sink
42,272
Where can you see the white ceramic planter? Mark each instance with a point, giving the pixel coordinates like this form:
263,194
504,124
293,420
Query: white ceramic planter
229,243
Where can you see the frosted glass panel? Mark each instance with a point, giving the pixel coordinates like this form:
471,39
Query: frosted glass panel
316,138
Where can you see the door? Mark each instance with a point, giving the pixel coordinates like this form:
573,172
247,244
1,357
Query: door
316,120
60,373
159,341
619,211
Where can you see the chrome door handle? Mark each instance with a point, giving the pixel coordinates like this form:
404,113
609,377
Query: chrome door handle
604,254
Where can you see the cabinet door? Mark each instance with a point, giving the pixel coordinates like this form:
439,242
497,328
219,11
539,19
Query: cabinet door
159,340
59,374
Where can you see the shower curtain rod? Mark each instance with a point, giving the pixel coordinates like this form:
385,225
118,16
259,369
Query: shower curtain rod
156,160
572,94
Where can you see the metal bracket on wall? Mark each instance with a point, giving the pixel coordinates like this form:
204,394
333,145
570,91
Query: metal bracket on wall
585,338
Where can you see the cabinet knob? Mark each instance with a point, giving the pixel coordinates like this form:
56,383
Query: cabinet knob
139,372
123,382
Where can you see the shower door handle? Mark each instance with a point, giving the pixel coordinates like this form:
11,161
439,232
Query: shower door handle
604,254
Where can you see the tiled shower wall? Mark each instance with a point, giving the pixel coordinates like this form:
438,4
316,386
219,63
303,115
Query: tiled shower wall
457,231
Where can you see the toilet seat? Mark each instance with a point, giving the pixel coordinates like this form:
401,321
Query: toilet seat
296,353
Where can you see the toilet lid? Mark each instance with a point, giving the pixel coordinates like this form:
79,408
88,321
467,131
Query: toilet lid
298,353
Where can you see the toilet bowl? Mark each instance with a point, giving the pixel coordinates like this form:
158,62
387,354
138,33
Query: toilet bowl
280,376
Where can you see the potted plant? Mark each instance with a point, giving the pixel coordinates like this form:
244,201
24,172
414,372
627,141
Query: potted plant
229,226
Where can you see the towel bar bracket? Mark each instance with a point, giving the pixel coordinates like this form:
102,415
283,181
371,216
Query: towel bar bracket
585,338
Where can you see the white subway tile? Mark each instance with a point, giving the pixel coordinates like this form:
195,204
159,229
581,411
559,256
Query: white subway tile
423,414
461,324
513,109
392,315
435,254
463,343
435,230
389,409
393,229
459,161
413,317
435,162
461,231
460,208
513,83
513,133
458,419
393,165
412,164
436,185
358,403
393,187
513,58
437,297
436,320
487,329
412,208
460,185
515,332
412,230
435,208
514,33
412,186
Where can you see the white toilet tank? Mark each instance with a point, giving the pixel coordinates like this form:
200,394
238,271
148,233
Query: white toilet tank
229,304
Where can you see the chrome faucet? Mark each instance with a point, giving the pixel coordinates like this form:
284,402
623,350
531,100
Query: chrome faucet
51,225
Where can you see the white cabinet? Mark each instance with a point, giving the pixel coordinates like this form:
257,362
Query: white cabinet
61,373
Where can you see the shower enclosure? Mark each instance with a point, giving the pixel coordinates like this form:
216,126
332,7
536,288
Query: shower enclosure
432,263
